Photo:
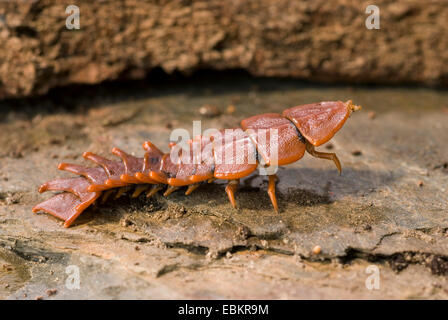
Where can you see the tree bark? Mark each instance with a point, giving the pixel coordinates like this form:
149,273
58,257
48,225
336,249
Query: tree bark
319,40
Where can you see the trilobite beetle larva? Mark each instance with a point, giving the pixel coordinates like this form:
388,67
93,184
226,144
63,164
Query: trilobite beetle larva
299,128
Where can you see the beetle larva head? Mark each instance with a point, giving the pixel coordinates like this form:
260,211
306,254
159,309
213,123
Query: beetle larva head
318,122
352,108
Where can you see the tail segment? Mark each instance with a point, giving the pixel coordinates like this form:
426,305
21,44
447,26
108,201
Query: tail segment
80,192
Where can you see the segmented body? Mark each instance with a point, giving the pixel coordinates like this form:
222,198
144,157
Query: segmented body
297,130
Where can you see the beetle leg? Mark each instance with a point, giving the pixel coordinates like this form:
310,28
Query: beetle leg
230,190
324,155
154,189
106,195
170,190
120,192
139,189
271,191
191,188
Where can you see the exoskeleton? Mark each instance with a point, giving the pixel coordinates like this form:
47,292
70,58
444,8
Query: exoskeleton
296,130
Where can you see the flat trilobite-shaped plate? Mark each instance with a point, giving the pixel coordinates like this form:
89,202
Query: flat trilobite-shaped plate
318,122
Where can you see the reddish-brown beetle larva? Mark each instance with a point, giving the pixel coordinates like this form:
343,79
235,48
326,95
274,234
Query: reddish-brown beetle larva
299,129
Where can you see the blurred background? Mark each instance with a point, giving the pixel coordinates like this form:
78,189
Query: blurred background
91,75
319,41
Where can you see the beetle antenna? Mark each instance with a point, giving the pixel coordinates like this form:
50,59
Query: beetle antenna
351,107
